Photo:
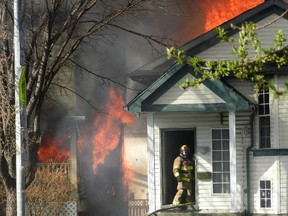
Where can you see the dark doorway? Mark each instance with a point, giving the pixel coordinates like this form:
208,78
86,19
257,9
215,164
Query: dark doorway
172,140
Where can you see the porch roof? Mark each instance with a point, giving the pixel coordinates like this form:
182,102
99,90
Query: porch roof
144,102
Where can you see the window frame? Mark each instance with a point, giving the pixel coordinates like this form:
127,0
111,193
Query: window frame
223,171
264,120
266,191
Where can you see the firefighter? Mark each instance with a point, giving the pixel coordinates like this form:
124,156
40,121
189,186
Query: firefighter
183,171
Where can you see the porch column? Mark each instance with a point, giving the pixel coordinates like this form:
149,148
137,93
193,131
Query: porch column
151,166
233,172
73,124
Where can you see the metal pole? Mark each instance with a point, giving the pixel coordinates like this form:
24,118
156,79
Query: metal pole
17,68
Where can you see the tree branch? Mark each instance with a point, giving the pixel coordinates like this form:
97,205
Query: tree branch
100,76
80,96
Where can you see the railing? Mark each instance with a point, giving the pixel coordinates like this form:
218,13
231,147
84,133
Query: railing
137,207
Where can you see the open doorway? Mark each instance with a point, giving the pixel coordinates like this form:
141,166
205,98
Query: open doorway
172,140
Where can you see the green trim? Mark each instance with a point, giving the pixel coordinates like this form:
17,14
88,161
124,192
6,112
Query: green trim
227,94
195,46
135,105
270,152
168,83
255,14
144,101
192,107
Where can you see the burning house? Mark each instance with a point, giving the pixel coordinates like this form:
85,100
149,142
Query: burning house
91,151
241,151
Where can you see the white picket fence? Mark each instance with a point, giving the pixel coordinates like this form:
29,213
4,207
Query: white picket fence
137,207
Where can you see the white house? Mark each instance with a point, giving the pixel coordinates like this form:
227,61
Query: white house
239,138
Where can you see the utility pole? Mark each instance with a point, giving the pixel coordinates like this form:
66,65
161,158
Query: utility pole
18,124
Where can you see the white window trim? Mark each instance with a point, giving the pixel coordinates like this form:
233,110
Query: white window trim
211,144
264,115
271,188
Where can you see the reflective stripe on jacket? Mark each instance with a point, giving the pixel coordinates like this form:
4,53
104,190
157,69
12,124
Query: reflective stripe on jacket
183,168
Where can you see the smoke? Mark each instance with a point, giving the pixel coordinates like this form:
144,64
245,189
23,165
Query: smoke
121,52
117,54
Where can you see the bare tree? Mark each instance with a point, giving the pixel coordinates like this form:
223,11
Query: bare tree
52,179
2,198
54,32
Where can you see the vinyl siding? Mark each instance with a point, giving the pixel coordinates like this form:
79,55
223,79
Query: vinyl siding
264,169
245,87
203,123
283,184
199,95
223,51
282,106
273,168
283,114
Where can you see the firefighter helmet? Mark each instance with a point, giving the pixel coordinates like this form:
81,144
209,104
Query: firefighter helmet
184,151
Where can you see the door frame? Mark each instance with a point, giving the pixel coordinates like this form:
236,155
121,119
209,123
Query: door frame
166,168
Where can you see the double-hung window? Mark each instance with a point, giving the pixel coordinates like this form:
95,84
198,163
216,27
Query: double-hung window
264,119
221,161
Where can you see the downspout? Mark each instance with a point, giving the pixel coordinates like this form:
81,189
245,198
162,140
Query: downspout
248,161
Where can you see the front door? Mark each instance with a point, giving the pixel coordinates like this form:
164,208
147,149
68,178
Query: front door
172,140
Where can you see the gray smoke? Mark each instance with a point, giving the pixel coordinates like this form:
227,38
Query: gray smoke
115,55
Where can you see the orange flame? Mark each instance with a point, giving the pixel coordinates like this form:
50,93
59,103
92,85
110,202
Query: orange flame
109,126
54,150
208,14
218,12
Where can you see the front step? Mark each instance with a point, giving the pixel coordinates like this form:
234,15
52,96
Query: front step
170,210
183,209
192,214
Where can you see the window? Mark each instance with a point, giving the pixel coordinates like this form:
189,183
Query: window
265,194
264,119
221,161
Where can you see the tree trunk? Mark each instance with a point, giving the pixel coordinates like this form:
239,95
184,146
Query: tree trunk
11,204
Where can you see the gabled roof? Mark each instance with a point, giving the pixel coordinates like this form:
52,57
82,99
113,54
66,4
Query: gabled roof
151,71
255,15
229,99
169,72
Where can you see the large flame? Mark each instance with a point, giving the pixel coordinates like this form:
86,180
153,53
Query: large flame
109,126
208,14
106,137
218,12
